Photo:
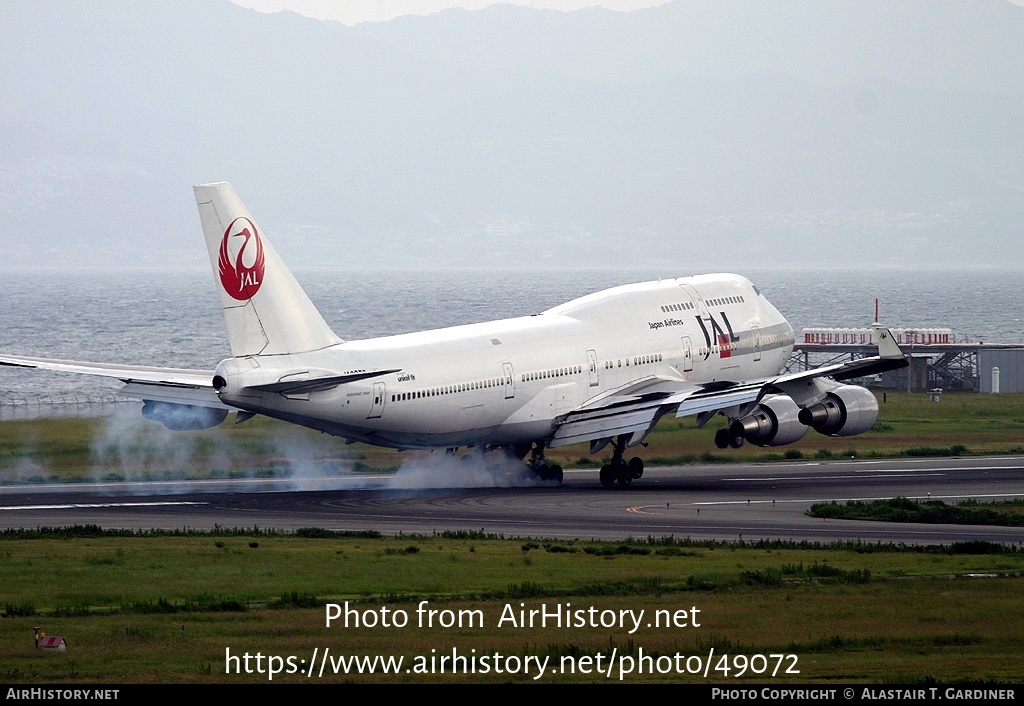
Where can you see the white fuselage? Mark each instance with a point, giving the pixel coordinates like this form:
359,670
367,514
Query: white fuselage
507,382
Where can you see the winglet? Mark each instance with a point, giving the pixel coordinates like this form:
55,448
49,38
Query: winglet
887,346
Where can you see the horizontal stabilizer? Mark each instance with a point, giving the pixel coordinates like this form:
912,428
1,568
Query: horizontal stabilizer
172,385
295,387
125,373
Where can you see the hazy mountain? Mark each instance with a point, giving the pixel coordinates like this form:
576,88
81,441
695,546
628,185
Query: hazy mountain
695,134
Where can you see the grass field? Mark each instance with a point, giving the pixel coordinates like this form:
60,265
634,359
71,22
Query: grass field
1008,513
129,447
165,608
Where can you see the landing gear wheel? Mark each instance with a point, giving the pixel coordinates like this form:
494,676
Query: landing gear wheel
624,476
618,470
552,473
635,467
736,442
722,438
536,462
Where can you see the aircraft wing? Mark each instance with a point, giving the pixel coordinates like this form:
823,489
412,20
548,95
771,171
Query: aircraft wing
636,412
890,357
175,385
636,408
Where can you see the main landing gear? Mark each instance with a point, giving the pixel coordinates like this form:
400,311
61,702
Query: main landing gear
725,438
548,472
620,470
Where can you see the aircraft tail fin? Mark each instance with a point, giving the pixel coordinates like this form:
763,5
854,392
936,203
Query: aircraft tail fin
265,310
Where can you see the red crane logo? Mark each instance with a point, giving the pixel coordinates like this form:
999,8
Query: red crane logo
239,279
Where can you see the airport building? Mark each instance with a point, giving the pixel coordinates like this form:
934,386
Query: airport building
1001,370
937,359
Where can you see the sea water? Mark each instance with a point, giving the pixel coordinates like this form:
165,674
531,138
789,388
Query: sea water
172,317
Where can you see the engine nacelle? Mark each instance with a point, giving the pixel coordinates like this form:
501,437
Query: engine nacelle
183,417
774,422
845,411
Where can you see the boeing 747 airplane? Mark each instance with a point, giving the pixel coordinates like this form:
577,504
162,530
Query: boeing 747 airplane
601,369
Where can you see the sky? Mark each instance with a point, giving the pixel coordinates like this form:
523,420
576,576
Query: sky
710,131
352,12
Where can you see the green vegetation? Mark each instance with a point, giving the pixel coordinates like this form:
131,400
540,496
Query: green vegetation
163,606
1008,513
130,448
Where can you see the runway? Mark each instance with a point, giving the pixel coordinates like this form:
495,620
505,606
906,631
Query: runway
728,502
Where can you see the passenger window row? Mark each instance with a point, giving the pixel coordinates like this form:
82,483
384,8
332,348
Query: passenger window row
446,390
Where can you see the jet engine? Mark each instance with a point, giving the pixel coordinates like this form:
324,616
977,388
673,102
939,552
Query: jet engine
183,417
845,411
774,422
